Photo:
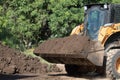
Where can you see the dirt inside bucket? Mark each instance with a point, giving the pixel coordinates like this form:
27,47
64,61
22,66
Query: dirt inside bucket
68,45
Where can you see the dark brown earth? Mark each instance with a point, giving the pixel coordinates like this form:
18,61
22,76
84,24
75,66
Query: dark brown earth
67,45
12,62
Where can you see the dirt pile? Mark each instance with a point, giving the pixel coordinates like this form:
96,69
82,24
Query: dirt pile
12,61
67,45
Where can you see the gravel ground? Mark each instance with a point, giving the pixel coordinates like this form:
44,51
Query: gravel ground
51,76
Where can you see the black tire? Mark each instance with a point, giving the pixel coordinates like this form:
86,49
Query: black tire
71,69
113,55
77,69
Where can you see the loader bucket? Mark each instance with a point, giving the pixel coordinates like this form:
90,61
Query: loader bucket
68,50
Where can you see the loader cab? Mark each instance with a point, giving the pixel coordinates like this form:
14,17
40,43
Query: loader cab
97,15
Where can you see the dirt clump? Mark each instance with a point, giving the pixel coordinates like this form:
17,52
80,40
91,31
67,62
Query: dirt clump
12,61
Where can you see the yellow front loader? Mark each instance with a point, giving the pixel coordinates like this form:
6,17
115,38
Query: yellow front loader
91,46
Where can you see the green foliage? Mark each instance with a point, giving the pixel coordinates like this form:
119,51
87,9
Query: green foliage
24,23
65,14
116,1
19,20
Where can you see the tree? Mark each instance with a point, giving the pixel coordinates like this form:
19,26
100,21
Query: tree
64,15
21,19
115,1
24,23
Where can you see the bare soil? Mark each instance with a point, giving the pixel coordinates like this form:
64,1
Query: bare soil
67,45
12,62
51,76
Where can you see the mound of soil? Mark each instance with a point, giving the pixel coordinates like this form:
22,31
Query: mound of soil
12,61
68,45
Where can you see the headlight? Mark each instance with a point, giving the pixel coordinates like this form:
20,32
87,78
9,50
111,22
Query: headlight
85,8
105,6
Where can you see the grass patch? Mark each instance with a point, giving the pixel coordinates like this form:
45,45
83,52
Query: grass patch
29,52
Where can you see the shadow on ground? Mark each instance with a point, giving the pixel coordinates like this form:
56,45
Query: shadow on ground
15,77
89,76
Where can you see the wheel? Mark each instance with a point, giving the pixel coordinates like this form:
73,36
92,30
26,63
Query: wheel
113,64
77,69
71,69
